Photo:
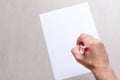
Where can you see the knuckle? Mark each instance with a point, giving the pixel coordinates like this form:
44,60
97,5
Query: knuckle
91,43
82,35
95,43
99,43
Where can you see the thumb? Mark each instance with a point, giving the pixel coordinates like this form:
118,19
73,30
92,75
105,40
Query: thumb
76,53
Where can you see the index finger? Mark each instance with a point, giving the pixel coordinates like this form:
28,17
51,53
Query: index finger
86,39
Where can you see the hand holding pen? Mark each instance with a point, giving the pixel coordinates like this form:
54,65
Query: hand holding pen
91,53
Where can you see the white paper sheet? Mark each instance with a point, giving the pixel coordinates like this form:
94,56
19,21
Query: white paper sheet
61,28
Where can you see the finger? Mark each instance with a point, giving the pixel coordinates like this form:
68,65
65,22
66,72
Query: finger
86,39
76,53
81,39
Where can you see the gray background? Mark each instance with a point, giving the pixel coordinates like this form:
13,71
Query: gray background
23,53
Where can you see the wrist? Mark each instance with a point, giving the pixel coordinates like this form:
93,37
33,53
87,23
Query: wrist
104,73
101,69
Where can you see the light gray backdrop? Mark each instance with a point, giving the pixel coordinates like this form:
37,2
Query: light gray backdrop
23,53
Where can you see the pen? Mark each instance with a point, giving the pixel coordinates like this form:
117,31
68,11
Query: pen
83,49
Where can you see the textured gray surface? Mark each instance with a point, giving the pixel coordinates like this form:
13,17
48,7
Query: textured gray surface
87,76
23,53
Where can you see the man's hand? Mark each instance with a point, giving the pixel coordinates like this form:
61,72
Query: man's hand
95,59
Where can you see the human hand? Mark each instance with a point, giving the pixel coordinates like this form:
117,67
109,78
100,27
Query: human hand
95,59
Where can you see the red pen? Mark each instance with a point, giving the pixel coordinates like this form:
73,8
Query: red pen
83,49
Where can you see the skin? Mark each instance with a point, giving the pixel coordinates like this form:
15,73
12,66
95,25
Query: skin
95,59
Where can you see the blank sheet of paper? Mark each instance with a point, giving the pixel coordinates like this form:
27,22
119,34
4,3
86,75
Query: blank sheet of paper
61,28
